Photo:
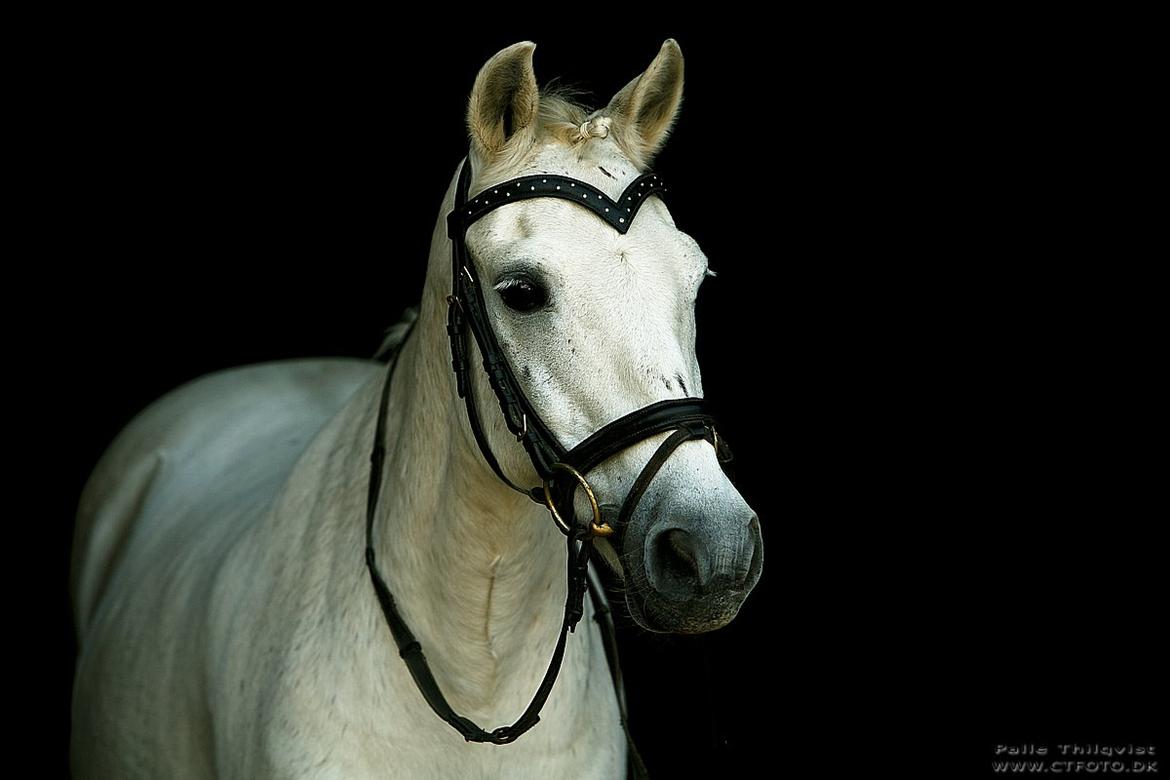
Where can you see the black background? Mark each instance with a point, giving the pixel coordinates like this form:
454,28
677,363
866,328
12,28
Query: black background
928,340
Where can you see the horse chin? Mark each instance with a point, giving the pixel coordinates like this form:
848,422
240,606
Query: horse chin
661,617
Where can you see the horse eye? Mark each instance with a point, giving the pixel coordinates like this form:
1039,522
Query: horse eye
522,295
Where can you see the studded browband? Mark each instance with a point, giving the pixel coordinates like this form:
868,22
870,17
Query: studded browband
562,470
619,214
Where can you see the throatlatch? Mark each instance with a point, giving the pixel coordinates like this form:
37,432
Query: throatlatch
562,470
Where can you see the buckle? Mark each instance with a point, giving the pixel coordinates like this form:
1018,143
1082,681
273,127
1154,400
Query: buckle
596,526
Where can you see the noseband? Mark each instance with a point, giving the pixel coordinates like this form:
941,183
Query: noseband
562,470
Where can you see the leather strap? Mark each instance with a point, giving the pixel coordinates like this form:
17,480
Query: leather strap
640,424
408,646
619,214
520,417
635,767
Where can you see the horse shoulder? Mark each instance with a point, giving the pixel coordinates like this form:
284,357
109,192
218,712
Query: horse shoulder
164,509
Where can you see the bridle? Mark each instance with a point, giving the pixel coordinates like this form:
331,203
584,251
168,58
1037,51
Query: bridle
562,470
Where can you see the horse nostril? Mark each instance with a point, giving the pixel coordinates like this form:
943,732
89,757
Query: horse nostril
757,561
678,569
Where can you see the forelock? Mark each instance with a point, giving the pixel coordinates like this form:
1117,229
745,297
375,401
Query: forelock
562,118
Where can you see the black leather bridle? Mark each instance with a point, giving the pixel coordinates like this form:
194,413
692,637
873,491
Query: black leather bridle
562,470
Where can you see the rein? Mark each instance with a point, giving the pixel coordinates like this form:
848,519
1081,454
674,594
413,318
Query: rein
561,470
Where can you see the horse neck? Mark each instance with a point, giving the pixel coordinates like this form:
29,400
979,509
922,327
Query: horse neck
476,569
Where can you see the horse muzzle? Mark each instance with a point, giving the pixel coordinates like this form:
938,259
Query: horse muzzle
691,574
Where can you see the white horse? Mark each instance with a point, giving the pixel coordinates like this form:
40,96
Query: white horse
226,621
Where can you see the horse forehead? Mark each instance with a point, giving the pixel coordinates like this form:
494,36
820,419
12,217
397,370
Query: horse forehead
559,230
598,162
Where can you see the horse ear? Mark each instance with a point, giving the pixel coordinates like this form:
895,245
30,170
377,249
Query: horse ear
645,109
501,114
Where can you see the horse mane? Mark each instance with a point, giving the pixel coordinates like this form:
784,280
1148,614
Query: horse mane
396,334
561,114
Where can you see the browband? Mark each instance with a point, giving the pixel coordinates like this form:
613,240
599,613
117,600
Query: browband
619,214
